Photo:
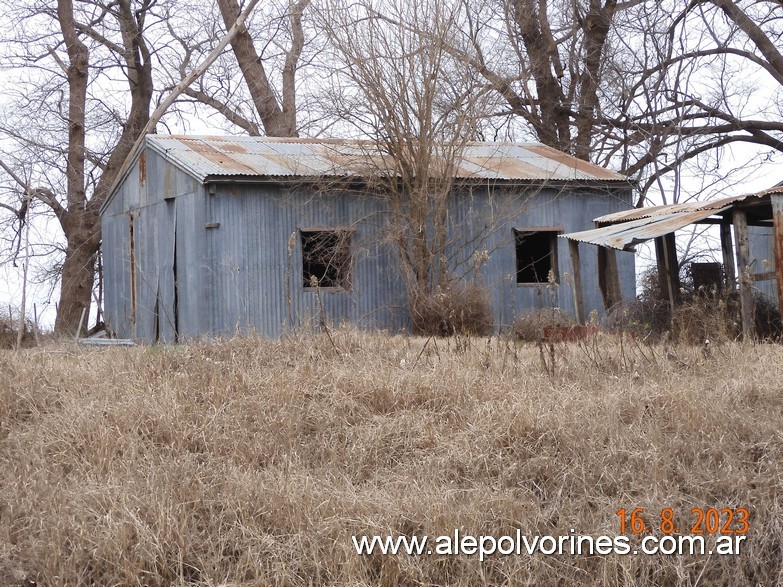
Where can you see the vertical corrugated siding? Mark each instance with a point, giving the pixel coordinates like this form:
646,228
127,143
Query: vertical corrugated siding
762,260
155,234
257,279
116,273
257,282
192,266
484,220
146,231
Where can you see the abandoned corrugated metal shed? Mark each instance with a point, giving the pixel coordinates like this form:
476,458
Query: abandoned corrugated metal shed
211,235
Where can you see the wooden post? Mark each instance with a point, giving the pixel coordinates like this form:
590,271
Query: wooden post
672,266
668,269
777,222
609,277
35,325
576,281
743,255
727,248
81,321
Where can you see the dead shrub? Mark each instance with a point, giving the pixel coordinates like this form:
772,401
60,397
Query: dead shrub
9,332
642,317
460,308
701,318
530,326
698,317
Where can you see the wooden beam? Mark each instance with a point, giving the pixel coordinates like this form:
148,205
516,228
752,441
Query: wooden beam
727,248
743,256
609,277
576,281
777,219
766,276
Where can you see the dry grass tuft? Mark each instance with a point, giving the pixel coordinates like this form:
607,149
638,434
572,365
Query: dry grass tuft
252,462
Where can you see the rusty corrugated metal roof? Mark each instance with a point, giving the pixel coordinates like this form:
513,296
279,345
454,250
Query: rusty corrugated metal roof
667,210
210,156
624,230
670,209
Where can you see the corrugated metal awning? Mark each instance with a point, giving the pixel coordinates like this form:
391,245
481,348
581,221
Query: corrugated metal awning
626,235
714,206
629,228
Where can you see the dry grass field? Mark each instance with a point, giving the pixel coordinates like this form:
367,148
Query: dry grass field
252,462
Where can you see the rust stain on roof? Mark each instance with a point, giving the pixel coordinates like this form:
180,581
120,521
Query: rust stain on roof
219,157
573,162
356,161
232,148
505,167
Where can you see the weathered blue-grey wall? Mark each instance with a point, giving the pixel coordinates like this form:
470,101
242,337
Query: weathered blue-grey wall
155,208
254,260
234,252
569,209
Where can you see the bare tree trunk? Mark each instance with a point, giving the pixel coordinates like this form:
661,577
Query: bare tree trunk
597,25
552,123
277,121
78,274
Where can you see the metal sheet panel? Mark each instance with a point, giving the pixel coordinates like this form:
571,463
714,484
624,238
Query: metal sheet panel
116,275
255,270
626,235
716,206
167,292
191,266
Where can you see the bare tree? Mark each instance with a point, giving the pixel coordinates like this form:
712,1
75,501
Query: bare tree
644,86
547,61
81,136
709,80
81,123
272,103
400,88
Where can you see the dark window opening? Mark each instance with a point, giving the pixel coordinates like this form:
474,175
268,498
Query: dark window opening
326,258
536,252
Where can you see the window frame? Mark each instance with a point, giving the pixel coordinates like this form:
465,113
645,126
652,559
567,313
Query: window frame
553,232
344,281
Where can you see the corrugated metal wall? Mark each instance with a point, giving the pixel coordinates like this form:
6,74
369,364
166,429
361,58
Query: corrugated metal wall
139,240
762,260
235,254
256,279
254,255
488,218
